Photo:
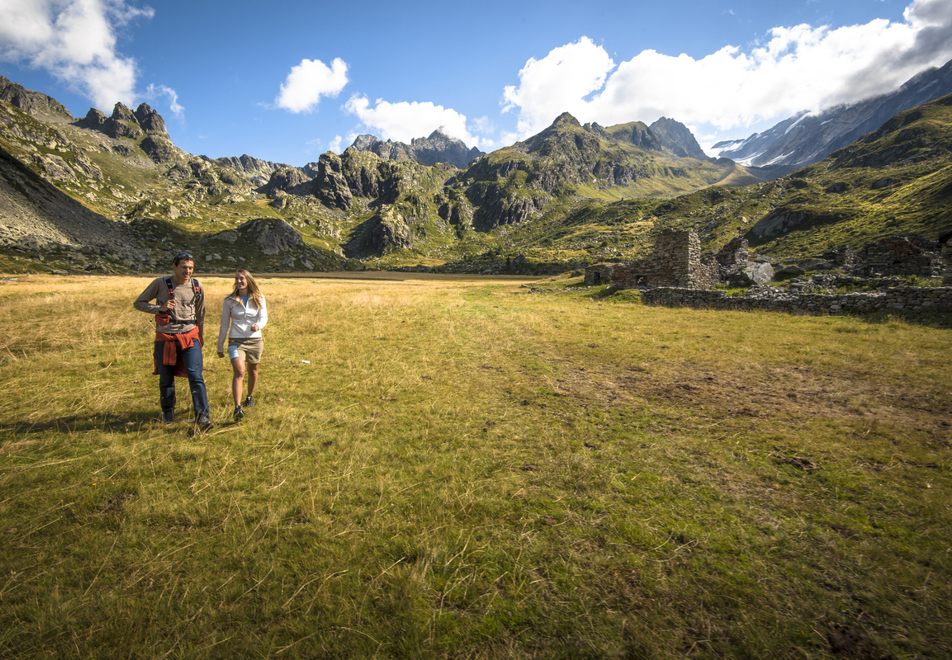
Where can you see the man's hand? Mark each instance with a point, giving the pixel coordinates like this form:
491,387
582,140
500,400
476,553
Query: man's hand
220,354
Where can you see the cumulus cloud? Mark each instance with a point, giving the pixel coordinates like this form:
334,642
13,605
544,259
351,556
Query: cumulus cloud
404,121
75,41
562,79
154,92
309,81
795,68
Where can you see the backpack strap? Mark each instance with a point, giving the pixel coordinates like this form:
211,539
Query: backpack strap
163,319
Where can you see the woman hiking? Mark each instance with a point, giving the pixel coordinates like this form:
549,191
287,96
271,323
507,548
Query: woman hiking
245,310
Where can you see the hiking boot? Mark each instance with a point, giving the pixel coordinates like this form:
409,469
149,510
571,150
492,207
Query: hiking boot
205,424
239,413
249,402
168,417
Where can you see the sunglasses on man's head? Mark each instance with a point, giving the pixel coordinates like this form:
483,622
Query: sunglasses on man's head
185,255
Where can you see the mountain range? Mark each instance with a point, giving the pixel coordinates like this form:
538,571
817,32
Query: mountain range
808,137
114,193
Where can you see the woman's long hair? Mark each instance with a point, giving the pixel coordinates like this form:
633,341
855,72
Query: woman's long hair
253,291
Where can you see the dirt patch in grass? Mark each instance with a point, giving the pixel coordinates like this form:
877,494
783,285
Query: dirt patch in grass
771,393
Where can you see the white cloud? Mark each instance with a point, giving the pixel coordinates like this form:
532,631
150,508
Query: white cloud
309,81
75,41
404,121
557,83
796,68
155,91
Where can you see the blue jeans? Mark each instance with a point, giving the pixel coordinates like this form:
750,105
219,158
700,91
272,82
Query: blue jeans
192,359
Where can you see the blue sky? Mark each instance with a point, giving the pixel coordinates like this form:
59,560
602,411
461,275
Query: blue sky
287,81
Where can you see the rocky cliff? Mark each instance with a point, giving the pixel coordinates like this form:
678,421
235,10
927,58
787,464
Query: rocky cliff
33,103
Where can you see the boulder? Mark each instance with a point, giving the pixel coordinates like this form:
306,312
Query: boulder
788,272
752,274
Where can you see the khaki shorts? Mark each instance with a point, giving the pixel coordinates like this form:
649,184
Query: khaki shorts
246,350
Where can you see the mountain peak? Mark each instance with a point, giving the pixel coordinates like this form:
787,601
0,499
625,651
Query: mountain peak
678,138
565,120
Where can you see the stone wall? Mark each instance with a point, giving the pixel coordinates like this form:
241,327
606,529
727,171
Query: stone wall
903,255
905,298
676,261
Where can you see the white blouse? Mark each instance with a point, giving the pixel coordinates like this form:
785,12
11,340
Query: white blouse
241,317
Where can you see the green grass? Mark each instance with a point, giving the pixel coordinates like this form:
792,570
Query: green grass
453,467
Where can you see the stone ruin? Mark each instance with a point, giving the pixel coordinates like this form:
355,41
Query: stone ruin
677,274
599,274
677,261
905,254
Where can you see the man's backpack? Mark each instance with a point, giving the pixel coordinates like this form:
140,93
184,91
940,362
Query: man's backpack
165,319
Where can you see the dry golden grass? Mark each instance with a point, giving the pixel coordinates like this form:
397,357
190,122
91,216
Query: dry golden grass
457,467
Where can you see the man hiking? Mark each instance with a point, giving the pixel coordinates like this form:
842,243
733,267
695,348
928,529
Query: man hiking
179,311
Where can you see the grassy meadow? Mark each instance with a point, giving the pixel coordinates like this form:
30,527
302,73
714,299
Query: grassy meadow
473,468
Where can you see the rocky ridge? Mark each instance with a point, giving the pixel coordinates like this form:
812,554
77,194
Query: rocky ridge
437,148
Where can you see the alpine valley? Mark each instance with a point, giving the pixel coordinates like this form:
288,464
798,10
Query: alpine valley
114,194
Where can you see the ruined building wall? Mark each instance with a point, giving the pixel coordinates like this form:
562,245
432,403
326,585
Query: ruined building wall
915,299
903,255
675,261
599,274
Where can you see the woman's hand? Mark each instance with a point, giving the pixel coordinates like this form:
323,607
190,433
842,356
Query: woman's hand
255,327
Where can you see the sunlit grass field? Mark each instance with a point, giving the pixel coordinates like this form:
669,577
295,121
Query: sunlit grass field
470,468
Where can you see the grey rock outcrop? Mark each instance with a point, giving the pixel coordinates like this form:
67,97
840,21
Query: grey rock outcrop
150,121
256,171
33,103
385,231
124,123
158,148
272,236
329,186
285,179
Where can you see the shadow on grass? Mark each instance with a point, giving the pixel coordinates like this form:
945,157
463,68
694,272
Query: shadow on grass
125,423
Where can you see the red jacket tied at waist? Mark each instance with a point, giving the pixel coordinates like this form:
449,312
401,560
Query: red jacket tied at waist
173,344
